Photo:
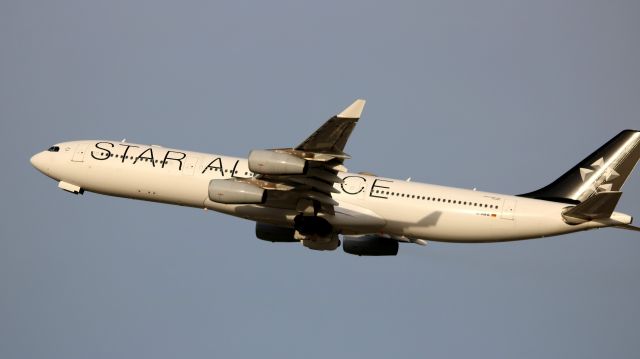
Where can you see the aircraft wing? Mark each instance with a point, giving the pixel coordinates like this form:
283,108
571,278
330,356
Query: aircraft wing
308,191
331,137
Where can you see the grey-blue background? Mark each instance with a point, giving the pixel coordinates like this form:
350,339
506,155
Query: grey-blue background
500,95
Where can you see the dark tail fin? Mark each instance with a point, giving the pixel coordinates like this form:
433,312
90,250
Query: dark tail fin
604,170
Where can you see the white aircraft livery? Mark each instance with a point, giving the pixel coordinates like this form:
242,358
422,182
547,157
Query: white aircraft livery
305,193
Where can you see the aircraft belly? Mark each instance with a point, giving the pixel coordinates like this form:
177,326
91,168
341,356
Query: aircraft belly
348,218
354,219
457,226
534,219
145,184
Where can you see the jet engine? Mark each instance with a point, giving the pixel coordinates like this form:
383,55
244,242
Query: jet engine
275,163
370,245
230,191
271,233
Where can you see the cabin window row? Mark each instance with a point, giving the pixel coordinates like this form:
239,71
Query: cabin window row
142,159
437,199
233,172
145,159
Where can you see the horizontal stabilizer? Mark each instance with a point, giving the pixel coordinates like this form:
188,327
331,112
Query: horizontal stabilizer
600,205
628,227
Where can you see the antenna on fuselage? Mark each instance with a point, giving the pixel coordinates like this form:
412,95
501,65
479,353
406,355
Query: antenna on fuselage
124,140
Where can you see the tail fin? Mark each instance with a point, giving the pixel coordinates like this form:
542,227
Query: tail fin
605,170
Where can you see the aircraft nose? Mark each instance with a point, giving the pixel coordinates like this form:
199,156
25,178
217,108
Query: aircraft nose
37,161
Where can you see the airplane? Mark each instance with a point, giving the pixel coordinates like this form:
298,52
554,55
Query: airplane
305,193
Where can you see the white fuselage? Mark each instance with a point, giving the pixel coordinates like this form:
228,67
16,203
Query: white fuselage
367,204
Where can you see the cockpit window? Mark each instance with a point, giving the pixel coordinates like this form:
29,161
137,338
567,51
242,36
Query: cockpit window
54,149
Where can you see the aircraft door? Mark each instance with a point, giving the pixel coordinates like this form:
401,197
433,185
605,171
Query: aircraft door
78,156
190,164
508,209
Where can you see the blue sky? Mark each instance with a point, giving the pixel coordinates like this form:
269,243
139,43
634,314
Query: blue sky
499,95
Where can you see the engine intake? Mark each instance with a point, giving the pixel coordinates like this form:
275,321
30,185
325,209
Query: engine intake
230,191
370,245
274,163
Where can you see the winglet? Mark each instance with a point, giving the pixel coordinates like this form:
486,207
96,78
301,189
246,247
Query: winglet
354,110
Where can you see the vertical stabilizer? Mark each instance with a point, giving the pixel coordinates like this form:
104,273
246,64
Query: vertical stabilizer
605,170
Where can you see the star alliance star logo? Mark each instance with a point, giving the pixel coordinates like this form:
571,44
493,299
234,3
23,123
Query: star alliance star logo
599,184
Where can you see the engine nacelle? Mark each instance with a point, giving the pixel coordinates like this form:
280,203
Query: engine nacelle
230,191
271,233
274,163
370,245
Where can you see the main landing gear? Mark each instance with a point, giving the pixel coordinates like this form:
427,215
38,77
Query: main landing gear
316,233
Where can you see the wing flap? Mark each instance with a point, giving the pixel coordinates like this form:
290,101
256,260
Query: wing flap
314,183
